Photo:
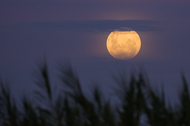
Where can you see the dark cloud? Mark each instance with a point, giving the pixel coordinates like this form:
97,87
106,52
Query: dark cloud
89,25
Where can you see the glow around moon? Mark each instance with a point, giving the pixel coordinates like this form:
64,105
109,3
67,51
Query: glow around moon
123,45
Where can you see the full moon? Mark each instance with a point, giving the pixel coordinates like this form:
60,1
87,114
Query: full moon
123,45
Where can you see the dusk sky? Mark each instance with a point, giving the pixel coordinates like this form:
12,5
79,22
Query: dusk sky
78,29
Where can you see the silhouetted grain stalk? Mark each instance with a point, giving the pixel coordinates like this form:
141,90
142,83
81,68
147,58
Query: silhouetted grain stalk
72,107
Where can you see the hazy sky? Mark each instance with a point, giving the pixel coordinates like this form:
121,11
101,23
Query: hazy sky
78,29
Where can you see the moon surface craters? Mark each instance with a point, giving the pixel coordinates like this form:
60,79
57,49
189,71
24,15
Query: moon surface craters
123,44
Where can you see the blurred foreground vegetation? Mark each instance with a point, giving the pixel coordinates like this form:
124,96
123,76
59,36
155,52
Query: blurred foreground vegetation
140,104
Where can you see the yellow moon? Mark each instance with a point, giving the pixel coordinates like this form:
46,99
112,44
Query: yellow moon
123,45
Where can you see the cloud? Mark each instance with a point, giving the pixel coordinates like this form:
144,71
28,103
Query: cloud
89,25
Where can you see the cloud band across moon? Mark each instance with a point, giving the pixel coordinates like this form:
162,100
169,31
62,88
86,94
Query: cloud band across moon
88,25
